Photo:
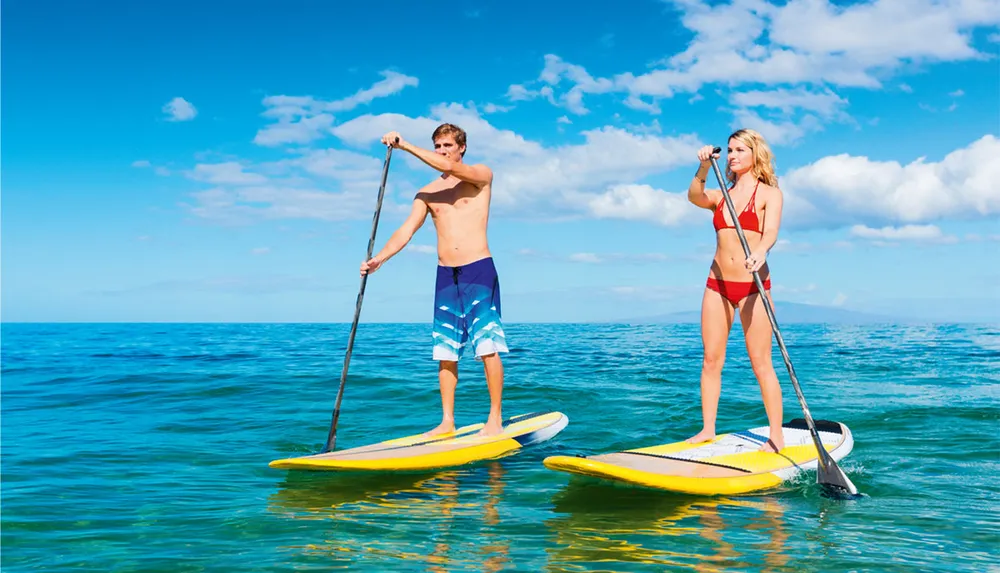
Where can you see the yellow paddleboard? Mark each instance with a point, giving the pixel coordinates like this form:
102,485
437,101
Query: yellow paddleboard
419,452
729,464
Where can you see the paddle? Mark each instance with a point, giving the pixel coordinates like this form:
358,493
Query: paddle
828,473
331,439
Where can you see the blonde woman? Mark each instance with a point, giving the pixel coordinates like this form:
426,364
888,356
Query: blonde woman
757,199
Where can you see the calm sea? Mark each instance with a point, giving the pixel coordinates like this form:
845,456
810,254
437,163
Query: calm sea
144,447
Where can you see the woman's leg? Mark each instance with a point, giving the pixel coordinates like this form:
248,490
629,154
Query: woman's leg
716,322
757,330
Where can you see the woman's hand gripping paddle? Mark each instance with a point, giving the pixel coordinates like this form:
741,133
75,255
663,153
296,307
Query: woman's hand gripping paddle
331,439
828,474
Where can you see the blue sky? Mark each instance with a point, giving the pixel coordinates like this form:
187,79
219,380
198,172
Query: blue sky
220,161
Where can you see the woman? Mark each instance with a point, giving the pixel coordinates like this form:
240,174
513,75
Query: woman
753,186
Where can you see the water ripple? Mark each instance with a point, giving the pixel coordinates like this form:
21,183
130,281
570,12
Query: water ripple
145,448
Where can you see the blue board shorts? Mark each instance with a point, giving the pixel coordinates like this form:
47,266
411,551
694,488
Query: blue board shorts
467,311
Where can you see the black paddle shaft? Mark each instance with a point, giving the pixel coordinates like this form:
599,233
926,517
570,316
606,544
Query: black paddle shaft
331,439
828,473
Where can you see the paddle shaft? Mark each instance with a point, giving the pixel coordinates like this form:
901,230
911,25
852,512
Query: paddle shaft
825,460
331,439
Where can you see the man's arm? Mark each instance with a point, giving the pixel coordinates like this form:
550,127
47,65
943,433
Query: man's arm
402,236
479,175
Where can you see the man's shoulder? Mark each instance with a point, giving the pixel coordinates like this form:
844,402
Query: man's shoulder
485,169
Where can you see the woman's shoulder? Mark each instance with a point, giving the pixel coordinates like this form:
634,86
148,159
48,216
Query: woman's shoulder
768,190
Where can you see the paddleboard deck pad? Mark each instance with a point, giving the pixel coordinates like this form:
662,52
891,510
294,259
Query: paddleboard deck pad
419,452
729,464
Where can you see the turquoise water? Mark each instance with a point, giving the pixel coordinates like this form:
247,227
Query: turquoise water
145,448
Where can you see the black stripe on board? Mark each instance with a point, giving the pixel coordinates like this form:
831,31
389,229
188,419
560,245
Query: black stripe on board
746,471
821,425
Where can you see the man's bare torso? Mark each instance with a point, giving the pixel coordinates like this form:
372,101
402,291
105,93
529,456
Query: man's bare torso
460,211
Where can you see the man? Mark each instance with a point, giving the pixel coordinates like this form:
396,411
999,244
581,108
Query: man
467,298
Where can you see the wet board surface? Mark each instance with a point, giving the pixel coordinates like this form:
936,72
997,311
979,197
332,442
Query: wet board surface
729,464
419,452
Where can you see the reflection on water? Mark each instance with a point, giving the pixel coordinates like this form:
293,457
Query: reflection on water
442,521
599,523
454,521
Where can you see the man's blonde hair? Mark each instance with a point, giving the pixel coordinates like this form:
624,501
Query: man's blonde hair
453,130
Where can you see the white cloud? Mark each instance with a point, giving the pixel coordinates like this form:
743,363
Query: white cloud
179,109
825,103
839,300
556,70
341,164
585,258
780,132
799,42
589,178
292,190
141,163
422,249
787,290
247,204
957,93
391,83
904,233
260,251
839,188
303,119
287,130
649,293
494,108
642,203
598,258
883,32
228,173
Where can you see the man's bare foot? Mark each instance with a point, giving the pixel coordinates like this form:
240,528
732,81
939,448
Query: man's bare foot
772,445
446,427
702,436
492,428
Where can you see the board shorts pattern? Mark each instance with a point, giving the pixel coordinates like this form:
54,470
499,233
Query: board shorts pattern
467,311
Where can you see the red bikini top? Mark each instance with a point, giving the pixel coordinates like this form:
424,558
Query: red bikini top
748,218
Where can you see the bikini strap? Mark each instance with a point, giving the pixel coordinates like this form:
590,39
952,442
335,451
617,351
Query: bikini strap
722,201
752,204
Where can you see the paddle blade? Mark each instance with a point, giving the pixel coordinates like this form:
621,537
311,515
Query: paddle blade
835,482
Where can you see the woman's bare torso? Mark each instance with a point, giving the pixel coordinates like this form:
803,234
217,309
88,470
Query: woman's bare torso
729,262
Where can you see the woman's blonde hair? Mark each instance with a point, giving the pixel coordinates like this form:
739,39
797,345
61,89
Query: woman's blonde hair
763,159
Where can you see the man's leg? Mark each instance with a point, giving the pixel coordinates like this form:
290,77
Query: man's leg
480,294
494,382
447,336
447,380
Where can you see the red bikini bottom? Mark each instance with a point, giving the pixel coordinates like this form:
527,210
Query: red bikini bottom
735,291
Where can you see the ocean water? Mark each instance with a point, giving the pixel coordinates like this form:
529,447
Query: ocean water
144,447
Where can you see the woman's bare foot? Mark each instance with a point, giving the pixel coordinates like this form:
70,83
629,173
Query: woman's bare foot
446,427
702,436
772,445
492,427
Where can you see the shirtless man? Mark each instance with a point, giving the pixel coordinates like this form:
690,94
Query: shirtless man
467,298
